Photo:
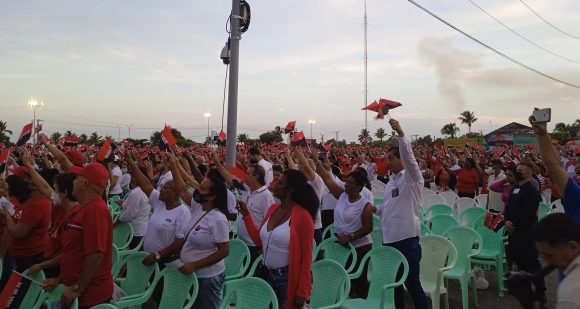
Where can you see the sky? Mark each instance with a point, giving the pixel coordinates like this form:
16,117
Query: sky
119,66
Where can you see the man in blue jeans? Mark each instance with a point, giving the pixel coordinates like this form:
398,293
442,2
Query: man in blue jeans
399,215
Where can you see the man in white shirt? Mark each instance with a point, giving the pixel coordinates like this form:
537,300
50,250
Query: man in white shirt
399,215
494,201
557,238
256,158
136,211
115,174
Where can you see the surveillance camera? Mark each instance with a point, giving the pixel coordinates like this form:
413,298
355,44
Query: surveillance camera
225,54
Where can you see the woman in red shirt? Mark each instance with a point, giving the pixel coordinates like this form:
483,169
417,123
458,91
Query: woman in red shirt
468,178
289,273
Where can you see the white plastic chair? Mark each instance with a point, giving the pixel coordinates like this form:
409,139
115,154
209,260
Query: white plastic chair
378,183
427,191
463,203
378,193
449,197
557,206
439,255
431,200
481,200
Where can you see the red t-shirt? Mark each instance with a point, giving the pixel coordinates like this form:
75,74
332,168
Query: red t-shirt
34,212
382,166
59,216
88,230
467,180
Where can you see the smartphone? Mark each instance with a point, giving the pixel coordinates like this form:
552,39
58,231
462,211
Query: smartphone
542,115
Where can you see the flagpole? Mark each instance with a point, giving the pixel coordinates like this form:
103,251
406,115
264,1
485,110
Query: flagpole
233,84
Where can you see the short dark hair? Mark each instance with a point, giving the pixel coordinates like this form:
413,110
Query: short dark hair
359,177
17,188
395,151
254,151
260,174
219,190
556,229
64,182
277,168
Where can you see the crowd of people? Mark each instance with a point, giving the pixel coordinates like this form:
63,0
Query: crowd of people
182,206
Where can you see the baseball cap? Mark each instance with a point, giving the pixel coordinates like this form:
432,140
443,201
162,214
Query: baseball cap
20,171
76,157
94,172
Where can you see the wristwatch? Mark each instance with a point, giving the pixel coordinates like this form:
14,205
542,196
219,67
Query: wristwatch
157,256
351,236
76,289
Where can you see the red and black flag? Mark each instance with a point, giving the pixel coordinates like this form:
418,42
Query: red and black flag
221,141
4,155
382,107
107,152
25,135
298,139
71,141
290,127
38,128
167,139
15,290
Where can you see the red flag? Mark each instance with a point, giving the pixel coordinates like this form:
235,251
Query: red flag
237,172
167,139
298,138
38,128
382,107
4,155
72,140
290,127
222,138
106,151
515,151
498,151
15,291
25,135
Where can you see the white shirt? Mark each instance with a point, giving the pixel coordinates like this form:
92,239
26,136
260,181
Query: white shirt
372,171
399,215
116,187
276,245
164,225
201,242
347,219
568,296
318,185
328,200
267,166
136,211
125,181
494,198
258,203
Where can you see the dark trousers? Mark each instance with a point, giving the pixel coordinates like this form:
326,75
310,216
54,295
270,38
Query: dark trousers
24,263
360,286
465,194
327,218
383,179
135,241
255,252
318,236
523,253
7,267
411,249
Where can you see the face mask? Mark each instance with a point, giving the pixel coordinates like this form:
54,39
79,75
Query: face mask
489,170
55,198
124,170
253,161
198,197
519,176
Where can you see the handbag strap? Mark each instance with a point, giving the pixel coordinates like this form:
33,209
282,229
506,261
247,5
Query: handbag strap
196,222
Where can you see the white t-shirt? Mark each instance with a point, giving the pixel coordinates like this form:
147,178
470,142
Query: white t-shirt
267,166
164,225
318,185
276,245
136,211
125,181
116,187
258,203
347,218
328,200
212,229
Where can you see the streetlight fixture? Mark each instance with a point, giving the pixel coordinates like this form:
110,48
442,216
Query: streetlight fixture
207,115
311,122
33,104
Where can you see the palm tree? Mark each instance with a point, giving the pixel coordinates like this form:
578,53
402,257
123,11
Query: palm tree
467,118
4,128
95,139
364,136
380,134
450,129
83,138
55,137
68,133
243,138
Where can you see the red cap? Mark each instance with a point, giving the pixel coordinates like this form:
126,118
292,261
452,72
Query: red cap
20,171
76,157
94,172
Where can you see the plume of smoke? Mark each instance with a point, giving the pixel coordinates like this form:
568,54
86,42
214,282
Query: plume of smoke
451,64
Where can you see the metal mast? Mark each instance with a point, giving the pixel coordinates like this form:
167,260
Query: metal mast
366,62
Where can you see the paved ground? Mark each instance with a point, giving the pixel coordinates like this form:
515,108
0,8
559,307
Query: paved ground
489,298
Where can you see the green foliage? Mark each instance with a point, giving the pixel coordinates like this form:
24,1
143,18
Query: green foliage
380,134
468,118
364,137
450,129
56,137
272,136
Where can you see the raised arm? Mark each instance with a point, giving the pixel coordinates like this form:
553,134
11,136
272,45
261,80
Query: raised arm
180,186
63,161
291,164
141,180
304,166
406,151
326,176
40,183
222,170
553,166
194,168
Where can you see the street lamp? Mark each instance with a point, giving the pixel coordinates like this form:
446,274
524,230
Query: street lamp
33,104
311,122
207,115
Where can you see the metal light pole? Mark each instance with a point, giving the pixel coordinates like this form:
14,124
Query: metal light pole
33,104
311,122
207,115
233,84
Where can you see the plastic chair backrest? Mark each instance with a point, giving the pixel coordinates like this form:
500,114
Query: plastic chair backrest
178,289
463,203
323,293
122,235
425,230
254,266
52,297
492,241
116,261
481,200
328,232
440,223
449,197
467,242
138,275
431,200
557,206
34,290
439,209
543,210
103,306
386,262
377,236
332,250
238,261
469,216
249,293
437,253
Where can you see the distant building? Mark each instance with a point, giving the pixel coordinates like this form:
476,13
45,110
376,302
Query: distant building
512,134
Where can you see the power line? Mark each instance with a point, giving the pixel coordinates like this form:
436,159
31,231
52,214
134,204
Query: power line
548,23
493,49
521,36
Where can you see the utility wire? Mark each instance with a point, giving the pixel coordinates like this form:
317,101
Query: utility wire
493,49
521,36
548,23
